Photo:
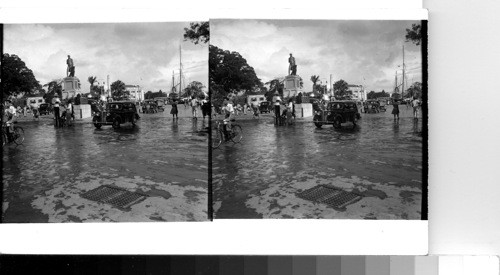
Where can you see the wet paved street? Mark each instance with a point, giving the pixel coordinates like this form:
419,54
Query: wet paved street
44,178
381,159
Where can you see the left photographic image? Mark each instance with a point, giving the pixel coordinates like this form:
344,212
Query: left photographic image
105,122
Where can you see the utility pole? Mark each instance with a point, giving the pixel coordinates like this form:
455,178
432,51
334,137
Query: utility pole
180,70
331,84
109,91
403,83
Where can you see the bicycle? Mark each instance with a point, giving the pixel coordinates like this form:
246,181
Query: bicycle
17,136
235,134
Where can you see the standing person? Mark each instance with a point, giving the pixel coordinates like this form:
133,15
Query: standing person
24,110
395,109
69,113
11,114
205,108
194,106
276,103
415,104
228,111
35,111
174,112
57,115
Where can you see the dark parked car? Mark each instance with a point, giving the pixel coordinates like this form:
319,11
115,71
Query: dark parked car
265,107
45,109
115,114
372,106
336,113
149,106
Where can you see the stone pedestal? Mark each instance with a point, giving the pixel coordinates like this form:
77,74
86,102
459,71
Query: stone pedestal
82,111
291,86
70,87
303,110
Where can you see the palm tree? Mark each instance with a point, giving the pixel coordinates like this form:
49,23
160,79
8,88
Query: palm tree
118,90
314,79
91,80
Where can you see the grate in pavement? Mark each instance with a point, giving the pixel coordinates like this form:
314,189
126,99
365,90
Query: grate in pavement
116,196
332,196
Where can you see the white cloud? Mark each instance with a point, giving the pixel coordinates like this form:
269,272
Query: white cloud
136,53
360,52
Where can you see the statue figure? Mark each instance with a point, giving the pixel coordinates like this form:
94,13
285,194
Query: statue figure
292,67
71,67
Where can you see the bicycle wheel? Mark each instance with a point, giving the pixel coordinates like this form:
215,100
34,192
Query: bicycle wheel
216,138
236,133
19,134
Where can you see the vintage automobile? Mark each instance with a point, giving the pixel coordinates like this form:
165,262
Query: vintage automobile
115,114
336,113
372,106
45,109
265,107
149,107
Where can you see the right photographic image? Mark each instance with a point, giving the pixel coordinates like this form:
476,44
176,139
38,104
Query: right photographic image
319,119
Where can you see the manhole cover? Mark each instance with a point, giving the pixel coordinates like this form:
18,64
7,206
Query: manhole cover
334,197
118,197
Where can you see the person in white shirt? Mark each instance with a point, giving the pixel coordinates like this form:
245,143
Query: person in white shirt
415,104
277,103
228,111
11,114
194,106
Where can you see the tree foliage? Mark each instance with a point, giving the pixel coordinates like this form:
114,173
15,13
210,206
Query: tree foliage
17,78
415,90
375,95
152,95
118,91
194,88
314,79
341,89
198,32
229,72
414,34
275,85
54,89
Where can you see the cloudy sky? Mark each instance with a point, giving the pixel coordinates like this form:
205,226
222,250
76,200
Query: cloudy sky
359,52
142,54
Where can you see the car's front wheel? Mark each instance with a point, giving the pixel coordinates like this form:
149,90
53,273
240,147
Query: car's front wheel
337,122
116,123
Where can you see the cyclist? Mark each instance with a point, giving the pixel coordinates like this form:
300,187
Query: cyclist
228,111
11,115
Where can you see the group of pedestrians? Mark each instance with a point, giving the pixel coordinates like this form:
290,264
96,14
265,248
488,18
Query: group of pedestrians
196,103
415,104
283,110
63,113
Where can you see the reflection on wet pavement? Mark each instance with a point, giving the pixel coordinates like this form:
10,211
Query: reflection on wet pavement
44,178
380,158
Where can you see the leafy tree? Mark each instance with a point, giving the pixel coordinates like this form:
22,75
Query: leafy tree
91,80
194,88
118,91
341,89
54,89
17,77
314,79
198,32
414,34
229,72
415,90
275,85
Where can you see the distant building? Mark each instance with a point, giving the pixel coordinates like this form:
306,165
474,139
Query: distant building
135,92
358,92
